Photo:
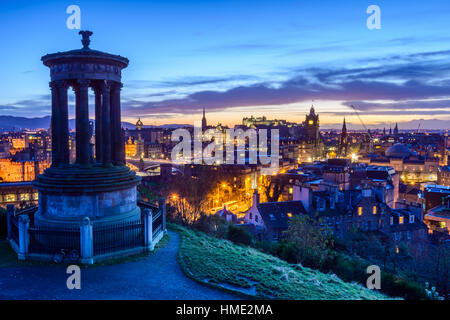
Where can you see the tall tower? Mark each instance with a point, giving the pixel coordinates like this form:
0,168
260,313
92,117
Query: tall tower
311,125
343,141
204,119
139,143
396,130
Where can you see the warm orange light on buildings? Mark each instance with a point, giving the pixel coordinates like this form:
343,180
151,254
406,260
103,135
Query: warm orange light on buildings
17,171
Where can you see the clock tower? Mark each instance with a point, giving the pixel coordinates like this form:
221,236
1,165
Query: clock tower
311,125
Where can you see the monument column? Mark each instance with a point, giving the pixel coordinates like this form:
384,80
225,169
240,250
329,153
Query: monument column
98,125
82,123
106,123
116,127
56,135
63,119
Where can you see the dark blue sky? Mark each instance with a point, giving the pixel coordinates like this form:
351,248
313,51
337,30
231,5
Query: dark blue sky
241,58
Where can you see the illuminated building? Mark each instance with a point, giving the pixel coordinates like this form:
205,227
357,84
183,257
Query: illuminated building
438,218
130,148
443,176
412,168
17,193
17,171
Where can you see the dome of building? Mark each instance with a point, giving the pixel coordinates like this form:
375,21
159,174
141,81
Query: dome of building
398,150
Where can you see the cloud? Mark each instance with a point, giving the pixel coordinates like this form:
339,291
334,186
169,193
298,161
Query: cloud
422,84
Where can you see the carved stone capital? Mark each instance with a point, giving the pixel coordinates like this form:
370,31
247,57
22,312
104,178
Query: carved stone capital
60,84
83,83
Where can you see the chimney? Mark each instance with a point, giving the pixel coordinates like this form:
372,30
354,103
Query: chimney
255,198
302,194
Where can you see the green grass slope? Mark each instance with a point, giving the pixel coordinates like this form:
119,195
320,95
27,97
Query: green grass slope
255,274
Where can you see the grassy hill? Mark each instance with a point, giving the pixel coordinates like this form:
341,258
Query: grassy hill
252,273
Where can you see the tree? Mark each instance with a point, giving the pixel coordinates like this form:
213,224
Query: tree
312,239
274,187
190,195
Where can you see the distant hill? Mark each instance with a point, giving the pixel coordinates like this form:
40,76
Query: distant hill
10,123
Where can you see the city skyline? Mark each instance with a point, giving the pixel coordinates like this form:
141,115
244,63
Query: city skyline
242,59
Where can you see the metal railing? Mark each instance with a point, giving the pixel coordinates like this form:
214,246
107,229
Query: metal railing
157,224
51,241
118,237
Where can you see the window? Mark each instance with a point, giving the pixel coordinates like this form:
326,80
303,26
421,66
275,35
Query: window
251,216
256,218
391,222
24,197
291,190
374,210
359,211
411,218
10,197
289,214
401,219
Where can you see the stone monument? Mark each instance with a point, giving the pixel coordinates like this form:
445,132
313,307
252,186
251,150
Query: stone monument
98,186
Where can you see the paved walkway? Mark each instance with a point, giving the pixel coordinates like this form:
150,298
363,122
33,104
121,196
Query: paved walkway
155,277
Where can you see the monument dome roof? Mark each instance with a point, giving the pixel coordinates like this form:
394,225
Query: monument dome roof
85,53
398,150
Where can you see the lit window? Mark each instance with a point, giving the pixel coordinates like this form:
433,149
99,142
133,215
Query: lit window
359,211
291,190
289,214
25,197
10,198
310,122
400,220
374,209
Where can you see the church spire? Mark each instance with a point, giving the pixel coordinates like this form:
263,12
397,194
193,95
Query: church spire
204,119
343,141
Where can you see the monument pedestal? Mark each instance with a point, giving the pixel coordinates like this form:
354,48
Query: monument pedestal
104,195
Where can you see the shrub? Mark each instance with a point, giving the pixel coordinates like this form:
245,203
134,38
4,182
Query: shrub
286,251
212,224
239,235
400,287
